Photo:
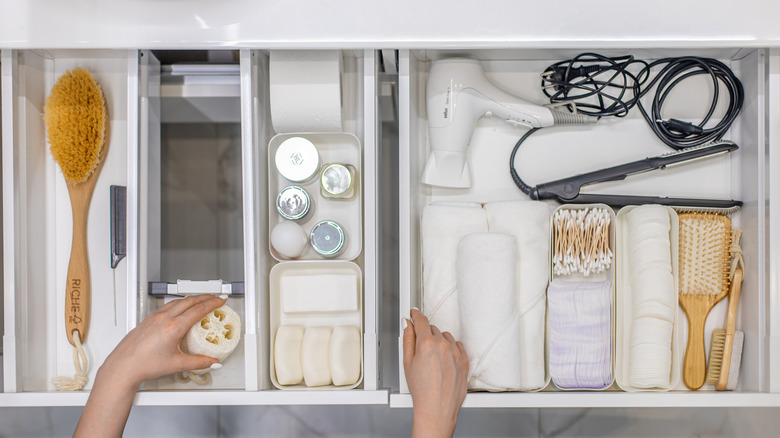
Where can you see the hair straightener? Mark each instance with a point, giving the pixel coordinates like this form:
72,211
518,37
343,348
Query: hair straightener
567,190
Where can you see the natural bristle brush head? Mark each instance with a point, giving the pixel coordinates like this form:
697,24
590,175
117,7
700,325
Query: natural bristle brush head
704,254
75,116
715,364
704,259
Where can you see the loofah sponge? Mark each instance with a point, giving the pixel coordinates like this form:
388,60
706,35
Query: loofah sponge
75,116
216,335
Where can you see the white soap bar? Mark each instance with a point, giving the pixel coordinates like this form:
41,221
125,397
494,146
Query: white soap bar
315,356
319,293
287,354
345,355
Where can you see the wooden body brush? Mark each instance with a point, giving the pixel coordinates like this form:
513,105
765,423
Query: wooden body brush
76,120
726,344
704,281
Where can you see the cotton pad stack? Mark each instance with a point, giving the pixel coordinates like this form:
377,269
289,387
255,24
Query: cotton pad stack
580,330
652,297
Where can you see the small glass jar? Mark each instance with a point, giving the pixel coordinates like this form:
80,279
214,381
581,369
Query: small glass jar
297,159
337,181
293,203
327,238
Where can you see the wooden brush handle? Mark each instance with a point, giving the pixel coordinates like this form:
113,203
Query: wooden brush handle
77,299
695,366
731,317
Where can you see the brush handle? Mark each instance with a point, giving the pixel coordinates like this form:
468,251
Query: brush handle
731,318
695,366
77,300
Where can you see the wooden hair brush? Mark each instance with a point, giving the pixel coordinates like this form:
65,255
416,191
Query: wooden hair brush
76,121
705,240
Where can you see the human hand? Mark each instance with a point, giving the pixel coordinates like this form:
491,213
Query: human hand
152,348
436,369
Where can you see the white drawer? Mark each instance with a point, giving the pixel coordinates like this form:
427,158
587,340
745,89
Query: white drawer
36,227
750,175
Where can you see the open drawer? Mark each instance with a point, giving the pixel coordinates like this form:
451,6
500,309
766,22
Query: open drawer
165,136
749,175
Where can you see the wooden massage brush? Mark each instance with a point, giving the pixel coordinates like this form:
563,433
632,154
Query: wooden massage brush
76,121
705,240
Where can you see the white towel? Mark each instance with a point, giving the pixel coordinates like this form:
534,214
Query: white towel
489,314
443,225
529,222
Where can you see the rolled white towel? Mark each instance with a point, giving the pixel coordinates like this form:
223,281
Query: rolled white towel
443,225
529,222
490,329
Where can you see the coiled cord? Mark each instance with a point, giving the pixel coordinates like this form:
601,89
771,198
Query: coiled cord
679,134
603,86
599,85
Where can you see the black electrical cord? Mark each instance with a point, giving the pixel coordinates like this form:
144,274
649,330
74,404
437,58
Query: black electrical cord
679,134
525,188
602,86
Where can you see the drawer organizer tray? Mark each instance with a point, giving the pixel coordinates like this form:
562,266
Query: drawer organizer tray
36,220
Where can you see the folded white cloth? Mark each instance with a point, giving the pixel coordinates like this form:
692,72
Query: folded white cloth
652,297
443,225
580,334
529,222
489,313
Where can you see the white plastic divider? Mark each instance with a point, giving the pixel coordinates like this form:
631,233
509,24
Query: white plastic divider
9,85
138,133
371,230
249,171
749,175
772,182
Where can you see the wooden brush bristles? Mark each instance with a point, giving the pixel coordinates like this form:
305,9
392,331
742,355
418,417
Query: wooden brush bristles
717,347
705,240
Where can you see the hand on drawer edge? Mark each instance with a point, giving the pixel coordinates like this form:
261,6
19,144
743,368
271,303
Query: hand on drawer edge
436,368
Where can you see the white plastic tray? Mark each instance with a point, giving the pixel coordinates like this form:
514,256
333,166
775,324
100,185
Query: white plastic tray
343,148
312,319
623,306
603,276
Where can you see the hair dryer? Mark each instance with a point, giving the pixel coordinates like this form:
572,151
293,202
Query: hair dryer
458,94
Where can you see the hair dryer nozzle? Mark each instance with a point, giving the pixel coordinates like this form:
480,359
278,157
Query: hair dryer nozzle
569,118
447,169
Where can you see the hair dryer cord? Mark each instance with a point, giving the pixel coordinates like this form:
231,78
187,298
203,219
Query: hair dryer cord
525,188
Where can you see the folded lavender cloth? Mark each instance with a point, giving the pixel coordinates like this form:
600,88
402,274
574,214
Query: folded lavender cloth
580,322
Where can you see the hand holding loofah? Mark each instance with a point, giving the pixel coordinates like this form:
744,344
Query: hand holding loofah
216,335
152,349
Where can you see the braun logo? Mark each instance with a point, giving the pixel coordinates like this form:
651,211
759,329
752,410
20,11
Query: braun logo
446,111
296,158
